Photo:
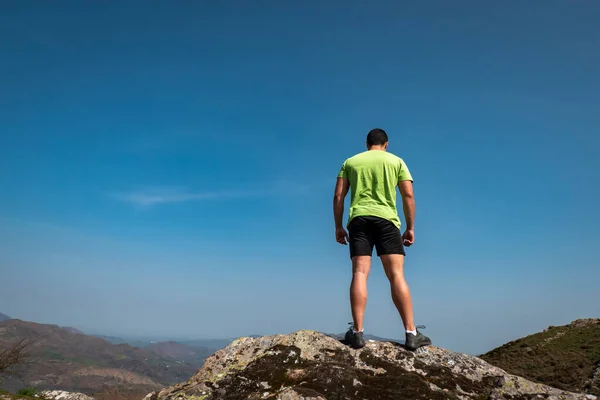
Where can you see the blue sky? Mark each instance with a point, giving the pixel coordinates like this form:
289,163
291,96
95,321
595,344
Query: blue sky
167,169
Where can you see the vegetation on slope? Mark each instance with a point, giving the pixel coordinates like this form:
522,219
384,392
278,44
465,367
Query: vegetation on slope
566,357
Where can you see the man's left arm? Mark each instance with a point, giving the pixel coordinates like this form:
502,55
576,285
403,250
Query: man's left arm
341,190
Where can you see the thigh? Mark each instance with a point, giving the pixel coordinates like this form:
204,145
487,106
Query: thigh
387,238
361,239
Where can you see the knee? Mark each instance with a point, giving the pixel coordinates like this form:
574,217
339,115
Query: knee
360,274
397,279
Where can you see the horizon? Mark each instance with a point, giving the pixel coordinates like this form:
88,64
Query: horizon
169,169
185,339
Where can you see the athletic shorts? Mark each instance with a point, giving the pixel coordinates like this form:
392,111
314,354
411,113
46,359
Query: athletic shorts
366,232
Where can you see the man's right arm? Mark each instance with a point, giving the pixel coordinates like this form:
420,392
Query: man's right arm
341,190
408,205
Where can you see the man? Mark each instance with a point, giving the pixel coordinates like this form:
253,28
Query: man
373,222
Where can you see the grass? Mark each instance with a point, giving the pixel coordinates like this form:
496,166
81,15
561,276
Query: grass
564,357
52,355
27,391
88,362
7,395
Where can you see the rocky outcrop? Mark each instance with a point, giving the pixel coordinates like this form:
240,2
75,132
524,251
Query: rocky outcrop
584,322
311,365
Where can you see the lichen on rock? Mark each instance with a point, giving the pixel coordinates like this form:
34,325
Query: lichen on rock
311,365
62,395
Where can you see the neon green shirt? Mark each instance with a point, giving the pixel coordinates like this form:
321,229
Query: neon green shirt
374,176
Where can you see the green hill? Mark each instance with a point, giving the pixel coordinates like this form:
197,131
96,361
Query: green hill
566,357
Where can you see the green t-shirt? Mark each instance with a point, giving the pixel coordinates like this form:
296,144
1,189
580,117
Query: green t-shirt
374,176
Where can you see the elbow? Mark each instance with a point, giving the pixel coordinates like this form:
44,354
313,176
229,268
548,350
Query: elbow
338,198
408,197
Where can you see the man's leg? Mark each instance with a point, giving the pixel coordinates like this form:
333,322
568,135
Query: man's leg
391,250
361,265
393,265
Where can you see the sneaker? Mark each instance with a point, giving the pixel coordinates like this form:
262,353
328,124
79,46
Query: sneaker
413,342
355,339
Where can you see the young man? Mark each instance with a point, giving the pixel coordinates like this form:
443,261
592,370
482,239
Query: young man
373,222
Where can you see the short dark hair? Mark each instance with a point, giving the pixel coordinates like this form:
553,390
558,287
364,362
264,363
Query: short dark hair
377,137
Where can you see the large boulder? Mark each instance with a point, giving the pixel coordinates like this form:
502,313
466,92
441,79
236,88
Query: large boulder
311,365
62,395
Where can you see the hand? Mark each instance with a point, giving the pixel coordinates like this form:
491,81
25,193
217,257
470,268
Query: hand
341,235
408,238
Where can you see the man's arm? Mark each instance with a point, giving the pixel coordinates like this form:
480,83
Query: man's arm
408,205
341,190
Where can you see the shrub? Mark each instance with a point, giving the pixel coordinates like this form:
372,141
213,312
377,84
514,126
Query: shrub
27,391
14,355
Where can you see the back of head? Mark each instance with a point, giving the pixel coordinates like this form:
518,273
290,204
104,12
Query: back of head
376,137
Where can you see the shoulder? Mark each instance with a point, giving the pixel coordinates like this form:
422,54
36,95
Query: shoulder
394,158
354,158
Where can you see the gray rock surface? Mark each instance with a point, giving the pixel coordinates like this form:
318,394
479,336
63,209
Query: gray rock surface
48,395
594,382
311,365
62,395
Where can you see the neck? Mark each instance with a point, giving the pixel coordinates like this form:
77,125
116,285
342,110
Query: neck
377,147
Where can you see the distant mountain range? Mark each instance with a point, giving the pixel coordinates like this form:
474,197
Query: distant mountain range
72,330
62,359
107,367
178,351
201,347
192,351
111,339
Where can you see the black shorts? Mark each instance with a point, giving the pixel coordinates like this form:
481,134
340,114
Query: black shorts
366,232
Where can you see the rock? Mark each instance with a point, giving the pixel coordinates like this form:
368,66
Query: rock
593,384
311,365
584,322
62,395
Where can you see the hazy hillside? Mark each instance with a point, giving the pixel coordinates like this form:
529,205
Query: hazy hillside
212,344
175,350
76,362
191,351
111,339
73,330
566,357
4,317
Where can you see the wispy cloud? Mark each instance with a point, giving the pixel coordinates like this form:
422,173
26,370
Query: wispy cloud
148,196
147,199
